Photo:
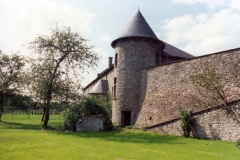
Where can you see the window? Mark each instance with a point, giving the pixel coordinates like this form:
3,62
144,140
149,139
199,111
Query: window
116,59
114,88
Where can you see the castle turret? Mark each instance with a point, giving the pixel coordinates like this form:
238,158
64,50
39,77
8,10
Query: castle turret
137,47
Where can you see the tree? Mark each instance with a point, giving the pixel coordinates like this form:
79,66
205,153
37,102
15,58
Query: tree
234,70
10,77
56,71
20,102
211,87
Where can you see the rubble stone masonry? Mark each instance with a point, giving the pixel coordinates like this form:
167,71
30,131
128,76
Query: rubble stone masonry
133,55
166,87
212,123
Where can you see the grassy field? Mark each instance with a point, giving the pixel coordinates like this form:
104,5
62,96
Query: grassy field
22,138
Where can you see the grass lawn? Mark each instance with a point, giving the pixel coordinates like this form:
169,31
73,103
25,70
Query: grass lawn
22,138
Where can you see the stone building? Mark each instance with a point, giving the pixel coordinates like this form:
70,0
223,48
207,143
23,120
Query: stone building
150,79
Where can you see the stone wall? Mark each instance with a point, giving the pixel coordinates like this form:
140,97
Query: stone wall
90,124
166,87
213,123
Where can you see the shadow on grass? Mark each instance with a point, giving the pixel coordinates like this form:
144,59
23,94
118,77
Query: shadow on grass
126,137
24,126
15,125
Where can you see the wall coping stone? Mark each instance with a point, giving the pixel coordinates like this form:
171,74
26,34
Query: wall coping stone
189,59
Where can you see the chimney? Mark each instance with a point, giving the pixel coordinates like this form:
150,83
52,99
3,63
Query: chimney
110,62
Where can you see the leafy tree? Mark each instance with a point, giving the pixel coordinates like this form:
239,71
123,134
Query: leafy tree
61,57
234,70
106,103
21,102
10,77
211,87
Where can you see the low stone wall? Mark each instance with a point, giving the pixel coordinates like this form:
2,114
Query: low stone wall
214,123
90,124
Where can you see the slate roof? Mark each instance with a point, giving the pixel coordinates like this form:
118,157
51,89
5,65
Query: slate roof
175,52
100,88
137,27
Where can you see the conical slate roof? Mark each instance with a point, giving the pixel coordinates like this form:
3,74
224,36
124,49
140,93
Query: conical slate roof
137,27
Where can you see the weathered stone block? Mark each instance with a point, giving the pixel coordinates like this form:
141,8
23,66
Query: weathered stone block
90,124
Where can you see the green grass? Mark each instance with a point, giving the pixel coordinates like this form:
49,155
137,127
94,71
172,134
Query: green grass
22,138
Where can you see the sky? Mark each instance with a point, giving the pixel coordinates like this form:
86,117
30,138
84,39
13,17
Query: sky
198,27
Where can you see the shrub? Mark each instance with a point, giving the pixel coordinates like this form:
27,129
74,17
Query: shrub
186,120
132,127
85,108
238,144
117,127
70,116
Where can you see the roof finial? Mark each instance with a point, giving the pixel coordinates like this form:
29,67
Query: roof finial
138,9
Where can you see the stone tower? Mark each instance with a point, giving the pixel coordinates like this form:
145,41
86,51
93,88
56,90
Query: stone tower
137,47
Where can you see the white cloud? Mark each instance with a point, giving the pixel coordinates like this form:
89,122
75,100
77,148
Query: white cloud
209,3
102,65
203,34
24,20
105,39
234,4
159,35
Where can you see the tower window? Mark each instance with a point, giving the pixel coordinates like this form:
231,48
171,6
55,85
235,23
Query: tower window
114,88
116,59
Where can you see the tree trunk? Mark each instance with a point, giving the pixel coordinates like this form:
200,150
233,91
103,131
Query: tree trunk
44,111
46,118
49,93
1,109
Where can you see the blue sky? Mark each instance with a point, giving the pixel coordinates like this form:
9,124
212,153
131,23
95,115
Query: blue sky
196,26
